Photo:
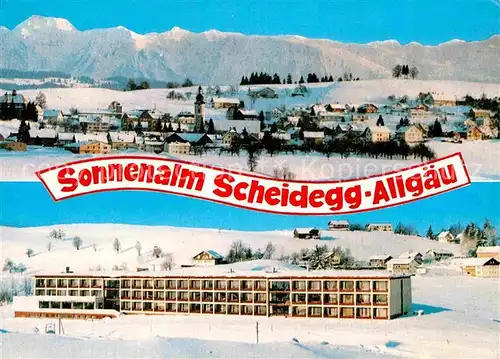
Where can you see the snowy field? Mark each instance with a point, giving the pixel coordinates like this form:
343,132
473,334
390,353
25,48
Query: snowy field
183,244
481,157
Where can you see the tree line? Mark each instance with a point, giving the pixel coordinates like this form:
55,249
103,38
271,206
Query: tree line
404,71
263,78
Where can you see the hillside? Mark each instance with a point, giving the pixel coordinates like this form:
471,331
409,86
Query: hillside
183,243
44,43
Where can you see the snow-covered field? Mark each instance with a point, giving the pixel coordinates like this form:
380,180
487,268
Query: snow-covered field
460,318
183,243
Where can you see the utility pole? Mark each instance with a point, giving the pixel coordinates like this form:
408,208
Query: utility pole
257,331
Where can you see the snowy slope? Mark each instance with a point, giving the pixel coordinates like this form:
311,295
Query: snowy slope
51,43
183,243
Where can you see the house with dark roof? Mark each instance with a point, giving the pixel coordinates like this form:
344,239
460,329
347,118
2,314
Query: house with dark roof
208,258
15,99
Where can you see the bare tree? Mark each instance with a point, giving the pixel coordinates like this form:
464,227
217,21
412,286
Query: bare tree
117,245
57,234
30,252
269,251
413,72
138,248
41,100
168,262
157,252
27,285
77,243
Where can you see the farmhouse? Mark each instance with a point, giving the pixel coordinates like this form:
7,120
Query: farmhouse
177,148
410,134
335,107
266,92
263,291
438,254
43,137
122,140
245,115
338,225
488,252
224,102
16,99
306,233
94,147
417,256
208,258
419,112
251,126
229,138
379,261
376,134
402,265
52,116
482,113
367,108
481,267
380,227
314,137
446,237
442,99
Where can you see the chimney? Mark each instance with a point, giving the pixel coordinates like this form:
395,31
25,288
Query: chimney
68,270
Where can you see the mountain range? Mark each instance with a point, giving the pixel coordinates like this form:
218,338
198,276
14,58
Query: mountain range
214,57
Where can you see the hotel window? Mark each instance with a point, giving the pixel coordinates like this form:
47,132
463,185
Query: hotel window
233,284
314,298
299,298
159,306
62,292
363,299
330,299
346,285
194,296
96,283
283,286
159,284
246,297
220,296
299,285
330,285
62,283
170,307
380,285
51,292
55,305
171,284
40,292
73,283
182,284
314,311
220,309
40,282
331,312
380,313
159,295
77,305
73,293
315,285
43,304
183,307
147,306
363,285
171,295
233,297
299,311
147,284
147,295
246,285
347,312
136,306
363,312
260,310
51,283
85,293
260,285
92,305
136,294
125,306
137,284
207,296
346,299
220,284
183,296
207,308
233,309
380,299
208,284
195,284
259,297
84,283
246,309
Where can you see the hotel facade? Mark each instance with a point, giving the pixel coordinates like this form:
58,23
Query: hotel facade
307,294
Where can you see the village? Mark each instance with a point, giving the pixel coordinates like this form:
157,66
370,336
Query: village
401,127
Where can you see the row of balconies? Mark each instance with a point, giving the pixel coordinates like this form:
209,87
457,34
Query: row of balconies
343,299
194,284
334,312
195,296
194,308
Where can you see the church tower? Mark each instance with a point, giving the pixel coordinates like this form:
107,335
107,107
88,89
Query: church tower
199,110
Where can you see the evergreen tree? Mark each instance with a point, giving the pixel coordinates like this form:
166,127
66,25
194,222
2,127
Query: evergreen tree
202,128
380,121
169,127
158,125
23,133
178,127
211,127
330,79
289,79
430,234
274,128
301,81
261,120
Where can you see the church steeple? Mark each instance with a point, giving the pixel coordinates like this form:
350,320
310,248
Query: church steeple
199,110
199,97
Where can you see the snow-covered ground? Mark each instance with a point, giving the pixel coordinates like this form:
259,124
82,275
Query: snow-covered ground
183,243
460,318
481,157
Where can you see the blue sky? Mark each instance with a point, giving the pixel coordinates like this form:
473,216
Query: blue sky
426,21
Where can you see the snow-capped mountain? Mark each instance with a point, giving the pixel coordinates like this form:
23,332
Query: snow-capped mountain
43,43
